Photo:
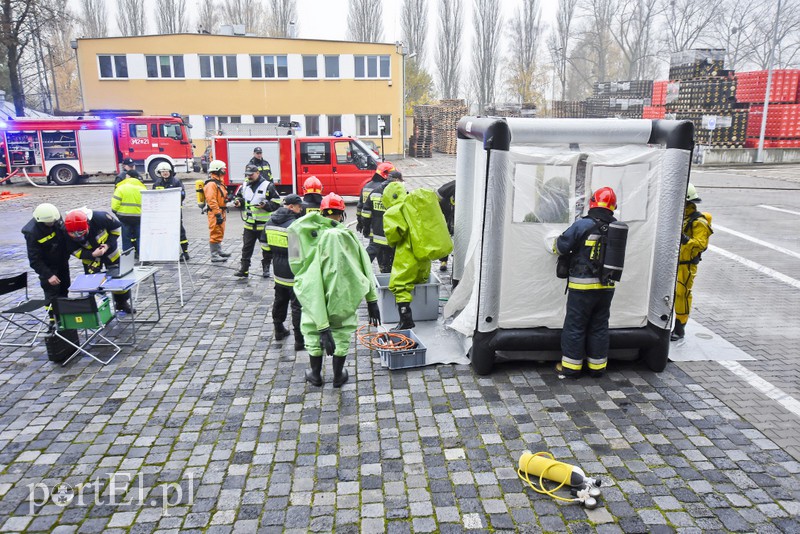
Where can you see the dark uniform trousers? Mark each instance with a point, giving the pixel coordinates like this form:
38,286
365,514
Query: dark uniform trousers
249,240
384,253
51,293
284,295
585,333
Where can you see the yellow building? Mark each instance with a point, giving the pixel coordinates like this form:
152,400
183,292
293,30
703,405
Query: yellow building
325,86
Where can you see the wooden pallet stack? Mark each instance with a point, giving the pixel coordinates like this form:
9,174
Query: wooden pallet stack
446,116
420,144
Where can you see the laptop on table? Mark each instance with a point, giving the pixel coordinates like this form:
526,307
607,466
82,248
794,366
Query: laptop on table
127,261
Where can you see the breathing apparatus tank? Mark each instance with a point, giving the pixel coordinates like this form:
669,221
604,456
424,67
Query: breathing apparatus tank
201,196
614,254
544,466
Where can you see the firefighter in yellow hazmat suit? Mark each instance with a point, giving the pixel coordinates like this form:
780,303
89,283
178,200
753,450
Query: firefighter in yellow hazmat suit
415,226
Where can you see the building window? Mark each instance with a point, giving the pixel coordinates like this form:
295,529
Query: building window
278,119
331,66
270,66
372,66
164,66
113,66
367,125
218,67
309,66
334,124
213,122
312,124
315,153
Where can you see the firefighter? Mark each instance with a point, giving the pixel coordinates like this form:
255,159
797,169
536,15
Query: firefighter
332,275
263,165
276,240
166,179
216,196
694,241
127,206
48,252
127,165
258,197
585,332
312,194
416,229
93,240
372,212
363,217
447,201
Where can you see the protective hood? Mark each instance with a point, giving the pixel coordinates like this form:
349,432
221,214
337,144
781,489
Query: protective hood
394,194
332,272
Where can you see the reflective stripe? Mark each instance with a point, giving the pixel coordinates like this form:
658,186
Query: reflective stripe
46,238
363,215
289,282
312,209
597,364
379,239
277,236
588,283
569,363
134,204
116,232
102,237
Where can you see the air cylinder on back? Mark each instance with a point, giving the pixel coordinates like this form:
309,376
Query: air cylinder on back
614,256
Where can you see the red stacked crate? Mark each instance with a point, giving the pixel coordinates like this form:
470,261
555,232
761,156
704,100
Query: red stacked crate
751,87
653,112
782,128
660,92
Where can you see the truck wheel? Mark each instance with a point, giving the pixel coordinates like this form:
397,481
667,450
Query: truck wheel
655,357
64,175
151,169
482,360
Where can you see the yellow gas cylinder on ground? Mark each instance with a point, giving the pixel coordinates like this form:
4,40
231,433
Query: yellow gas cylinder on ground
542,465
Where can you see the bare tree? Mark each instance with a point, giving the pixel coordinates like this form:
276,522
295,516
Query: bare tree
560,40
732,31
687,20
130,17
59,61
787,49
487,24
635,22
414,22
526,33
208,16
171,16
21,34
365,21
250,13
282,12
598,41
94,19
448,49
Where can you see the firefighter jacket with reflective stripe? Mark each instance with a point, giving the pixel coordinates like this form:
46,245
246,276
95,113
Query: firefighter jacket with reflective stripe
364,208
127,199
216,196
373,210
48,248
104,228
260,199
697,228
263,167
583,241
170,183
311,202
276,240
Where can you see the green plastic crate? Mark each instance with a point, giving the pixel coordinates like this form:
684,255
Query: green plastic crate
87,321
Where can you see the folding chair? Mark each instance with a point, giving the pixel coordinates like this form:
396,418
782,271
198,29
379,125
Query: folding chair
83,313
25,307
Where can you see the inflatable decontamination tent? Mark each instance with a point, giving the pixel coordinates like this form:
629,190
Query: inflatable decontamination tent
520,183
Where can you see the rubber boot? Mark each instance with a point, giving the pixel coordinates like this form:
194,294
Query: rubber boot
340,374
299,341
406,320
222,252
281,332
443,266
243,270
215,255
122,302
313,375
678,332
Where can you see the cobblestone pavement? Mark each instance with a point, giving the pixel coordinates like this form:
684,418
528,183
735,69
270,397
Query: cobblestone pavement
210,403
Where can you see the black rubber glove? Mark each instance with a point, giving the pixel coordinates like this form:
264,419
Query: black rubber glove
374,313
360,225
326,341
220,220
684,239
366,230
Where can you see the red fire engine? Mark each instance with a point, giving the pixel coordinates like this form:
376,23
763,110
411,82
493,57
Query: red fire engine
64,150
342,164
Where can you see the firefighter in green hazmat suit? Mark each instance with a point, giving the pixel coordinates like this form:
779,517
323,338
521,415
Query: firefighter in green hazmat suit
415,226
332,275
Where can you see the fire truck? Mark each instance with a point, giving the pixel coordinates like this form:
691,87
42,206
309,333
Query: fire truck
64,150
343,164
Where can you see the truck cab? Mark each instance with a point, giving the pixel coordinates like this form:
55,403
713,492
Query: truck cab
151,140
